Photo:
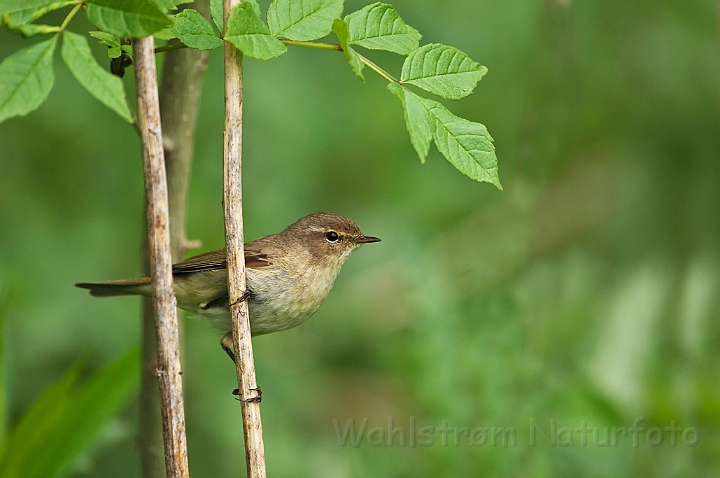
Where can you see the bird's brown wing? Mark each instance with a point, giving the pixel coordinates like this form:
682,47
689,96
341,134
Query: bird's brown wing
207,261
216,260
254,258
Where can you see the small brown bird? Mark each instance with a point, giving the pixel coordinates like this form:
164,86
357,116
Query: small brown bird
289,275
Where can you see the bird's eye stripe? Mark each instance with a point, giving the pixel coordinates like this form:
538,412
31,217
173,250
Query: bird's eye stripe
332,236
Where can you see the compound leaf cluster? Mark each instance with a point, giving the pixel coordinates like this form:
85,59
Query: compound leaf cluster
26,77
438,69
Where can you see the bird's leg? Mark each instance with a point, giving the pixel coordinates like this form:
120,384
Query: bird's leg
226,342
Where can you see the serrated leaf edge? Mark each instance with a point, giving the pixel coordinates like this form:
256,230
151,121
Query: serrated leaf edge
438,124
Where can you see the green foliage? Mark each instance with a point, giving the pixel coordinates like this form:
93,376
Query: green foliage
26,78
255,5
37,425
467,145
303,19
166,5
103,85
250,35
29,15
115,46
31,29
417,119
105,38
195,31
12,6
436,68
342,31
111,41
442,70
21,21
164,34
379,27
63,420
127,18
216,12
439,69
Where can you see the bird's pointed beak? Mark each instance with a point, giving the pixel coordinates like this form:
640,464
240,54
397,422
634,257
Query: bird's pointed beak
366,239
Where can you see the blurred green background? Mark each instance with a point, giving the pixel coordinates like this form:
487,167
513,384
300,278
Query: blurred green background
586,292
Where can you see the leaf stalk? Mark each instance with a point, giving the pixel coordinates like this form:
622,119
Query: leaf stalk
336,47
69,17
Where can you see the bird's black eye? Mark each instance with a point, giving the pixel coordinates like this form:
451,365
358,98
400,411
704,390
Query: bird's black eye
332,236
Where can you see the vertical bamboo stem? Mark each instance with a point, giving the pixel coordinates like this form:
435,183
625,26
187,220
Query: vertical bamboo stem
234,241
156,194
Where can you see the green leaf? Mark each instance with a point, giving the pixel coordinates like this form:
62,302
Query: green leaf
26,78
418,121
166,5
442,70
128,49
341,30
467,145
20,21
11,6
255,5
250,35
103,85
106,38
164,34
114,52
127,18
91,407
62,423
31,30
36,423
194,31
303,19
216,11
379,27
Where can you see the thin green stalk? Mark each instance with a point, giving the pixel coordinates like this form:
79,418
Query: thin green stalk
313,44
70,17
336,47
306,44
377,69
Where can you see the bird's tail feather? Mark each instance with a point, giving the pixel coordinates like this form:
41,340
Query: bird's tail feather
118,287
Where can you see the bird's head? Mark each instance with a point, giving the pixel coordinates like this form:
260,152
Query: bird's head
327,236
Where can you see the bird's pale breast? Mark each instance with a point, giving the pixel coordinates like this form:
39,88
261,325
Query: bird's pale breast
280,299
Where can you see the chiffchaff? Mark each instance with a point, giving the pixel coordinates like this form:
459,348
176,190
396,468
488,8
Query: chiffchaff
289,275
